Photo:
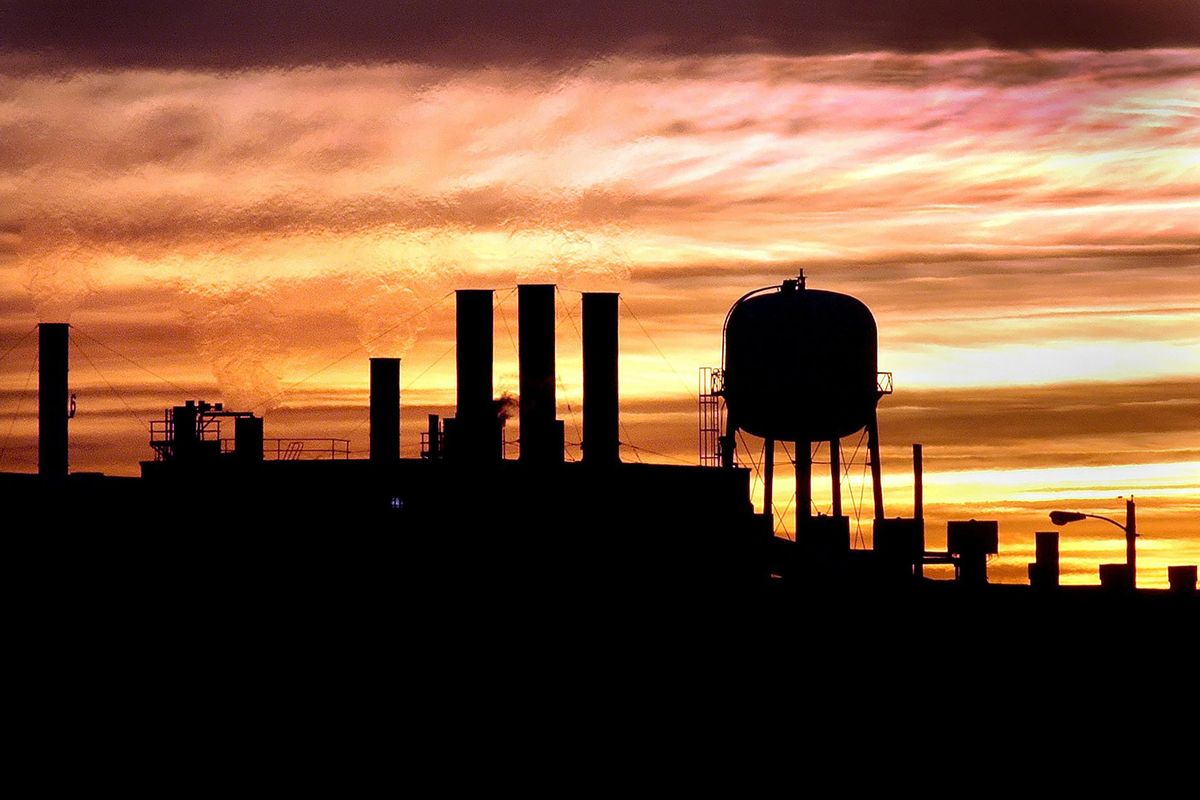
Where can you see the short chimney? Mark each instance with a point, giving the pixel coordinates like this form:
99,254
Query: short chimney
385,410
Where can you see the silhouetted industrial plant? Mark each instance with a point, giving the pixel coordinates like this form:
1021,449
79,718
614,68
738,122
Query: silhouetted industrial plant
464,526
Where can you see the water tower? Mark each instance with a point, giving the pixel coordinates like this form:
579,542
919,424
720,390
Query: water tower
800,365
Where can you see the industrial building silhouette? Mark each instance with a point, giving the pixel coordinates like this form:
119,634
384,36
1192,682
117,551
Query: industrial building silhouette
224,522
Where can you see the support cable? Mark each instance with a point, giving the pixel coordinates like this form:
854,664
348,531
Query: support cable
141,423
20,400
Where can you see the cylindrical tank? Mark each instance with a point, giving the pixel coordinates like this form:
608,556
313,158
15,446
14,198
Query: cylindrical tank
800,364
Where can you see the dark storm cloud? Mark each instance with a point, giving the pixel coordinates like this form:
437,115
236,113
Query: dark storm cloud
214,35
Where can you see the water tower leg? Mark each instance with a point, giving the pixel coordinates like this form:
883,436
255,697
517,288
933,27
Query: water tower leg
835,475
769,478
728,443
876,467
803,484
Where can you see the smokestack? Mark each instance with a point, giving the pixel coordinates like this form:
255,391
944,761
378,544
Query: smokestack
52,399
541,433
601,441
385,410
474,433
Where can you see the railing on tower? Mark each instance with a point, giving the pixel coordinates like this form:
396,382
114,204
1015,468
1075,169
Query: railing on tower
299,449
305,449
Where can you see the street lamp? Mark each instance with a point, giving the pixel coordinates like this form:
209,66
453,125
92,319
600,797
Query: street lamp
1130,528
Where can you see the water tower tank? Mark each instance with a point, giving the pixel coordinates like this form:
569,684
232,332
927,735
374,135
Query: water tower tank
800,364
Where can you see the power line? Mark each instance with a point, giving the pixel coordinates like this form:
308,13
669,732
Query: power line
20,400
18,344
504,318
431,365
635,448
140,422
360,347
686,384
408,385
143,368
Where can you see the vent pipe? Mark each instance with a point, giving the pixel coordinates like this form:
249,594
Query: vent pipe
601,440
385,410
52,399
541,433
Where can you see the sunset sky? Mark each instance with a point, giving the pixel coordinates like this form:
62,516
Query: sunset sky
241,205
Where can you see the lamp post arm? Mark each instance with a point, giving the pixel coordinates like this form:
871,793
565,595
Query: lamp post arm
1106,519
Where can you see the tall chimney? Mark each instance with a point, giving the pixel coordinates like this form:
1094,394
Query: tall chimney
474,432
385,410
52,399
541,433
601,441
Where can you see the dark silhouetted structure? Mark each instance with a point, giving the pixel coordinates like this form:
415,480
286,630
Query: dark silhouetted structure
385,410
1043,572
1182,579
800,365
972,542
1110,575
541,432
474,434
248,439
53,399
601,404
242,531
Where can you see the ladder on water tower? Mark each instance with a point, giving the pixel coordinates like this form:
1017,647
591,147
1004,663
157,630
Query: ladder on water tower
712,388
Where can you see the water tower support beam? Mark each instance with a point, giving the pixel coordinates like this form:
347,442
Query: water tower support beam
876,466
769,477
729,444
835,475
803,484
